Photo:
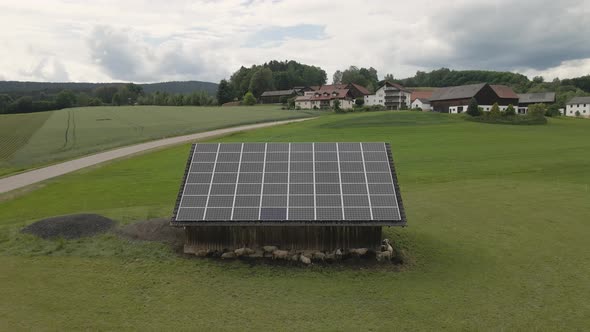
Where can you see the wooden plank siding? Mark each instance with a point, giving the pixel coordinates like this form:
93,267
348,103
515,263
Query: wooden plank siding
322,238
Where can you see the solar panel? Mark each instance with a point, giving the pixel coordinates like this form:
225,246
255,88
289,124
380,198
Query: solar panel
290,183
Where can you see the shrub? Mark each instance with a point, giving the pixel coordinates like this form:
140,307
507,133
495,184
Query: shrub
553,110
249,99
283,100
359,102
495,111
578,113
291,103
473,108
510,111
537,110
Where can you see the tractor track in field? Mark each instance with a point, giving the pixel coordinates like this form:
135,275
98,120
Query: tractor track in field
21,180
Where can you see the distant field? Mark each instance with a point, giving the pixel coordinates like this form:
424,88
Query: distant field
497,235
30,140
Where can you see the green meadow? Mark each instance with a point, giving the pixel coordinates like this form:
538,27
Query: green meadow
497,239
30,140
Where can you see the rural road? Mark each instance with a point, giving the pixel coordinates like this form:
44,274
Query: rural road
41,174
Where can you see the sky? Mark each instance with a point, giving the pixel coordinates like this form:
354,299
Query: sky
152,41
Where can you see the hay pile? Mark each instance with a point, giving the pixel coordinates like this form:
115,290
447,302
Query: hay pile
70,227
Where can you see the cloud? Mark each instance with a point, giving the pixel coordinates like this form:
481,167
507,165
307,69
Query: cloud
278,35
49,69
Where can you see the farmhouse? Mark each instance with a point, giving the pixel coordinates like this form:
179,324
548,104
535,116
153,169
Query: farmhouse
456,99
391,95
578,106
526,99
324,99
292,196
421,103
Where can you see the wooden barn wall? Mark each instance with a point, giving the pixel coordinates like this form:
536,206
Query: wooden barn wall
324,238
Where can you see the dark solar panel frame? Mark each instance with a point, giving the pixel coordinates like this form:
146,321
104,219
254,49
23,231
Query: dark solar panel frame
336,175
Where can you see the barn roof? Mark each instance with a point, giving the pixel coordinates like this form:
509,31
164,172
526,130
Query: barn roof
504,92
289,184
457,92
417,94
538,97
278,93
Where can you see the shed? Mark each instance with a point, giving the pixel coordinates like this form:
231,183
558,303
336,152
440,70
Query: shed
297,196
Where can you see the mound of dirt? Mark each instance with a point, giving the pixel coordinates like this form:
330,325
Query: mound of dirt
157,230
70,227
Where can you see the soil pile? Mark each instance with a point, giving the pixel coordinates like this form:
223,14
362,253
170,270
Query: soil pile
157,230
70,227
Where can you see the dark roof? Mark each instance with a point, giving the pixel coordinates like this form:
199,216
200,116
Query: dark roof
539,97
504,92
579,100
278,93
457,92
340,94
395,85
361,89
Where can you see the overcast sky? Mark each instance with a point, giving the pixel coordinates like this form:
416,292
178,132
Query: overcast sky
150,40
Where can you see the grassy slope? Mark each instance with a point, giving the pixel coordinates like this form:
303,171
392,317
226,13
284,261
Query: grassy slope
74,132
497,229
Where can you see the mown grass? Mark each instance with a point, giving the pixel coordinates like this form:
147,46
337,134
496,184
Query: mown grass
498,225
47,137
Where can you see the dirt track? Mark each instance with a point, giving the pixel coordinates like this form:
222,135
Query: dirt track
31,177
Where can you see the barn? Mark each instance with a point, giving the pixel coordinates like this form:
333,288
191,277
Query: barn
296,196
455,99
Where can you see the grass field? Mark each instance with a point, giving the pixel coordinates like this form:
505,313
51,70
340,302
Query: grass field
498,227
30,140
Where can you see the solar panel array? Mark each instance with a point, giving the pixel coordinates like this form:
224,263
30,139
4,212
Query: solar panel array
289,182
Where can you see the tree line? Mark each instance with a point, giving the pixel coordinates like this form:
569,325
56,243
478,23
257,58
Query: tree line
114,95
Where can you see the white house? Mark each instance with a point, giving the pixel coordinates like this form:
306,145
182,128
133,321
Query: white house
421,103
578,106
324,99
391,95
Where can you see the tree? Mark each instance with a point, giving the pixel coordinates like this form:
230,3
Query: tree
249,99
359,102
538,79
495,111
361,76
337,77
389,78
105,93
473,108
261,81
22,105
336,105
224,92
5,101
537,110
283,100
291,103
117,99
510,110
65,99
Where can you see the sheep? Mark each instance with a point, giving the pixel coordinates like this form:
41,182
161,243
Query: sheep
280,254
336,255
386,246
384,255
243,252
295,258
229,254
268,250
304,260
319,256
358,251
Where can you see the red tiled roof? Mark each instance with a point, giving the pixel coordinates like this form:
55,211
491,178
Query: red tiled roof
421,94
361,88
341,94
504,92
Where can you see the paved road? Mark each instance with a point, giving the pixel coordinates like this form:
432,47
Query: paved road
31,177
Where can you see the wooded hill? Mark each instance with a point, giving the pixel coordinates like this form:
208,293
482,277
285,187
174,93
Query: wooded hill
30,88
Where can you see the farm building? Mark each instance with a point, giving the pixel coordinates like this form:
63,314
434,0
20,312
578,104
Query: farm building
526,99
324,99
421,103
578,106
295,196
391,95
456,99
277,96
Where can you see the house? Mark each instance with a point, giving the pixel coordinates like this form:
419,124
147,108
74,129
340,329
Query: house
391,95
578,106
526,99
421,103
325,98
455,99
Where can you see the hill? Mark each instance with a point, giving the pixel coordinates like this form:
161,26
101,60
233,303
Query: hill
25,88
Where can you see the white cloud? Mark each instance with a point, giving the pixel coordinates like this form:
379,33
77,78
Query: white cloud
143,40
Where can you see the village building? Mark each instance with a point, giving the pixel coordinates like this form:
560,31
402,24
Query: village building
527,99
421,103
323,97
578,106
391,95
278,96
456,99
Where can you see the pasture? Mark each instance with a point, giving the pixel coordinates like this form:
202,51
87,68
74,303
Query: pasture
497,239
29,140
